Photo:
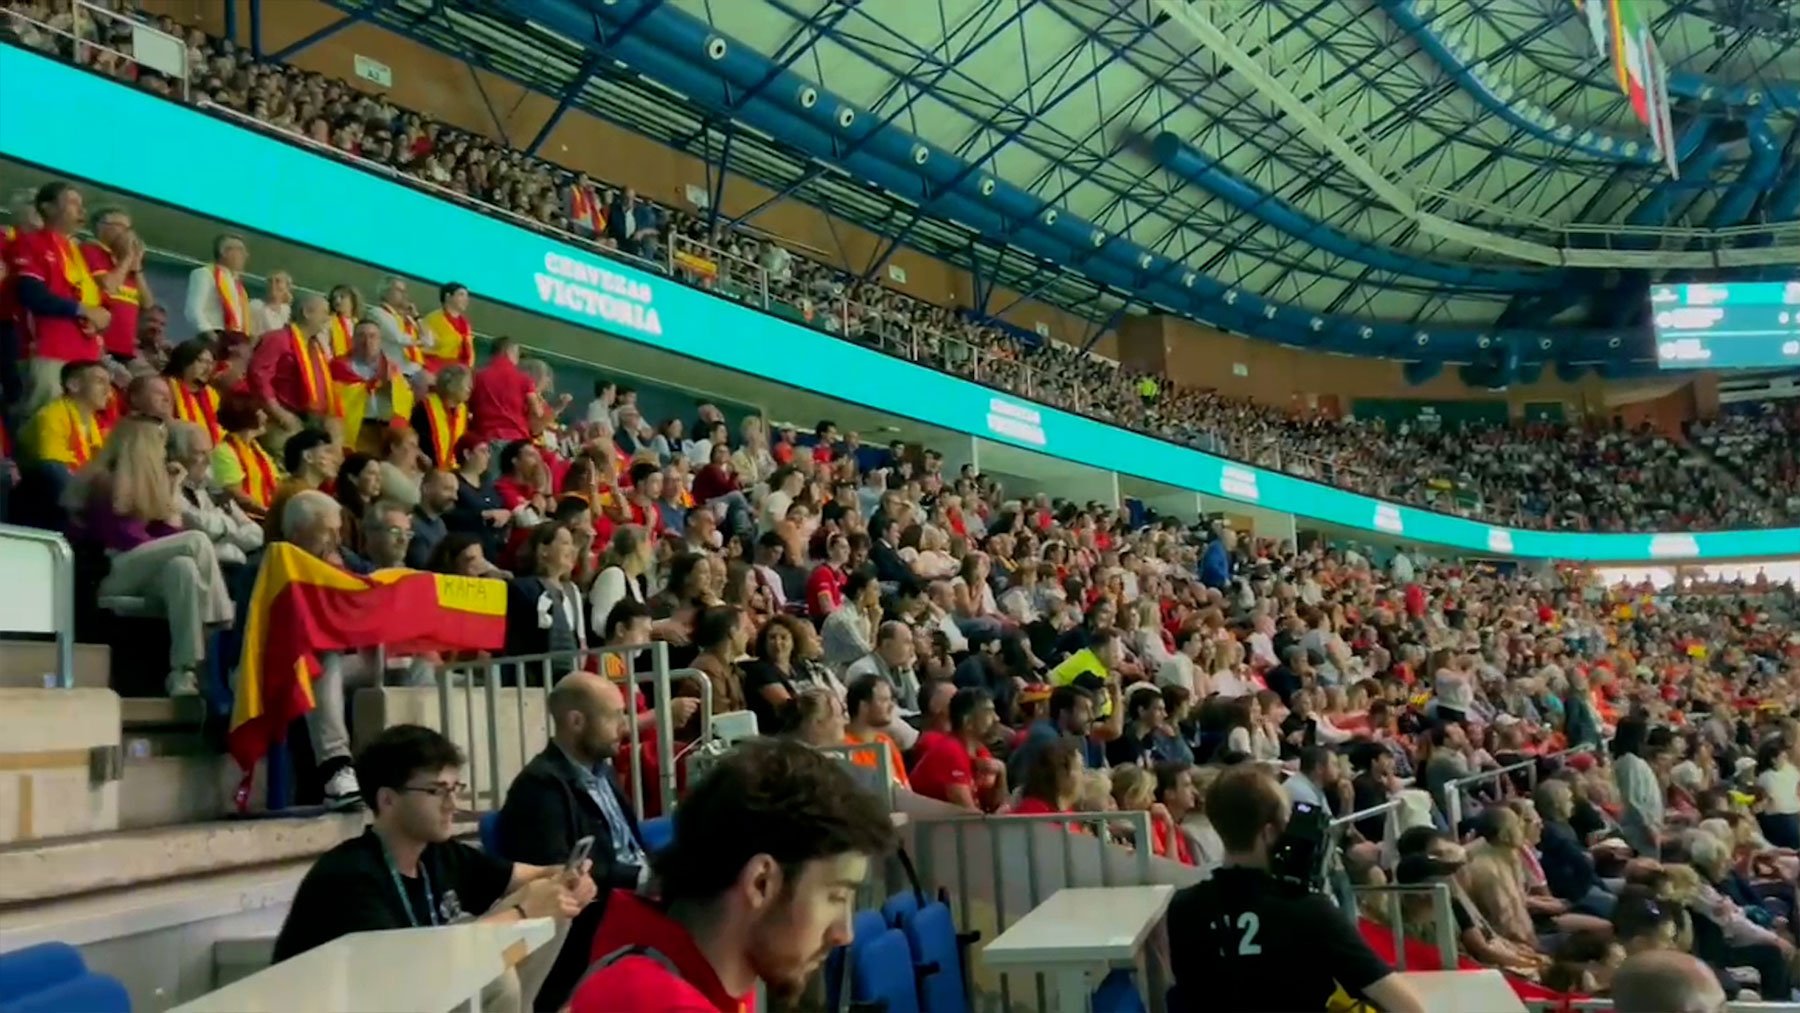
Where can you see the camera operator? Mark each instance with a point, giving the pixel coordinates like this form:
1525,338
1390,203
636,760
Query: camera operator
1253,937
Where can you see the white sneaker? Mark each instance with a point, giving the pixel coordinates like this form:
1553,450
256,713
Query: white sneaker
182,682
342,792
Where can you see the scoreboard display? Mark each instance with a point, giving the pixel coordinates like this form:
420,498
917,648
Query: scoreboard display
1727,325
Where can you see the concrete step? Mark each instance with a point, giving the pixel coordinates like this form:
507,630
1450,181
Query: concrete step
46,870
167,790
31,664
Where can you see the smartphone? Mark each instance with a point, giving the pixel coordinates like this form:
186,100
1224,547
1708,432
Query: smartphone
579,855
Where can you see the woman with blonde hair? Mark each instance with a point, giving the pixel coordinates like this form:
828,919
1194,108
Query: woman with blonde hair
125,503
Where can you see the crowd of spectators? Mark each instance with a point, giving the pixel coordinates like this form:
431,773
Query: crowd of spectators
1577,476
1009,655
1762,446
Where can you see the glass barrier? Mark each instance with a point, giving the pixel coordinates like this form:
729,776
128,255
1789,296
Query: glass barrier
333,205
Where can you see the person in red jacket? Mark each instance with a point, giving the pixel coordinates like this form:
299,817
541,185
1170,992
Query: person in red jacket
61,302
757,885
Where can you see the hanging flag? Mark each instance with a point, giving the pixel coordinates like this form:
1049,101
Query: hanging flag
1596,14
303,606
1642,76
1662,126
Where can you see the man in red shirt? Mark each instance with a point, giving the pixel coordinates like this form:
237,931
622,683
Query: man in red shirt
504,398
116,260
62,304
12,343
758,884
291,374
955,766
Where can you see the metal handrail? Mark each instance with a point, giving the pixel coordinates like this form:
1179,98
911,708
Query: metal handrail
62,594
1443,921
1453,790
81,9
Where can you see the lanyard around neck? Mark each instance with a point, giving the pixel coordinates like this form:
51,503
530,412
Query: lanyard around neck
431,912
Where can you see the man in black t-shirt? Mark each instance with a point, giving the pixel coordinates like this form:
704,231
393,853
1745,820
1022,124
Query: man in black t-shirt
1244,941
405,871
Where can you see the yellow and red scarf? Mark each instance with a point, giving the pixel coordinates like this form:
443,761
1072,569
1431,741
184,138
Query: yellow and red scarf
315,378
260,476
200,408
452,341
75,269
447,427
343,329
84,434
234,302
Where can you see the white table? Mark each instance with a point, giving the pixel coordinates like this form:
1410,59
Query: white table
426,970
1077,931
1484,991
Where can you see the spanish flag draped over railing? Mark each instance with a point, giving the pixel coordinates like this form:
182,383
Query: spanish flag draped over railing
303,606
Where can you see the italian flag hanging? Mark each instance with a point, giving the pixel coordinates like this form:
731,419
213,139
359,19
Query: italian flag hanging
1639,68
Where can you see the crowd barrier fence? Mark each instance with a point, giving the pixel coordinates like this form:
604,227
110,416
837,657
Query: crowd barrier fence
1454,791
1028,857
499,709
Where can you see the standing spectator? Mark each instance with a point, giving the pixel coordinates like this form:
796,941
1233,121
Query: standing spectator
398,321
217,304
1779,780
1640,794
372,389
290,373
275,310
632,226
449,338
442,415
346,309
504,398
116,258
61,302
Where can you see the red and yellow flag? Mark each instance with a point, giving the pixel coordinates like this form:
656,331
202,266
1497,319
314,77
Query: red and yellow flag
303,606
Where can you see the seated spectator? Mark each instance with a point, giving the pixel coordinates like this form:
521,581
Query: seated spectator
869,706
241,467
1661,981
720,638
407,871
544,614
189,374
124,503
402,465
816,718
437,497
312,460
386,536
461,555
1051,781
204,509
358,484
773,831
849,631
955,766
769,685
65,434
568,792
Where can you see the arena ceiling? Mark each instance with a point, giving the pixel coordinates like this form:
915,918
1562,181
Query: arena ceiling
1435,180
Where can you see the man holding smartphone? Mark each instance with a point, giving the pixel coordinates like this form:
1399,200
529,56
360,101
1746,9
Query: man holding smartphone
570,793
1243,940
405,871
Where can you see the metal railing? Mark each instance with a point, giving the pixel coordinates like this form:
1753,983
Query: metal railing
1016,849
1454,790
150,47
516,724
1443,920
36,562
721,271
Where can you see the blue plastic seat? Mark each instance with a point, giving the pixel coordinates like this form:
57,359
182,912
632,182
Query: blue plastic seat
898,908
657,832
1118,993
881,973
53,978
864,926
937,954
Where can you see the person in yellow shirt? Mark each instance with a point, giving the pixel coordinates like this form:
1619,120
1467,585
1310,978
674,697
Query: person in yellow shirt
67,432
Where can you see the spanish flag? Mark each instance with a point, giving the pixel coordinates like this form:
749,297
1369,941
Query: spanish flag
302,606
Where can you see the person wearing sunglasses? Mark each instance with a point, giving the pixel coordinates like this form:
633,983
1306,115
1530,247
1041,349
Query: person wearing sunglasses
405,871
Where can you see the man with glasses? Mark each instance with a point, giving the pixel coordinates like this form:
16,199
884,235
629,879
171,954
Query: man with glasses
405,871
